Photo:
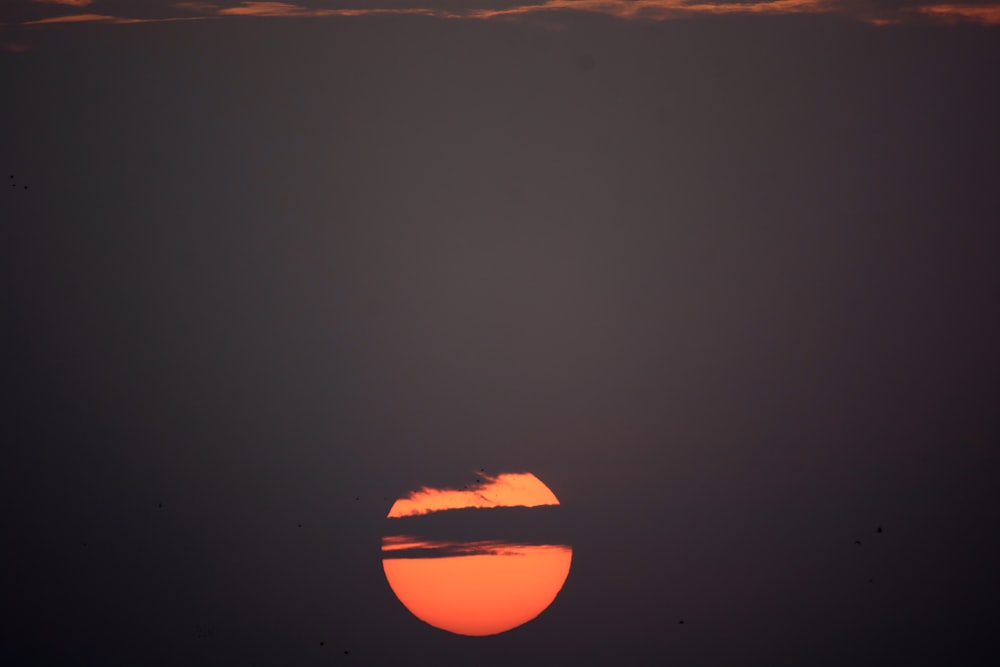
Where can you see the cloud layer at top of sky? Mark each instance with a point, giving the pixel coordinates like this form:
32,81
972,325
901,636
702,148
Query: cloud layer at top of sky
47,12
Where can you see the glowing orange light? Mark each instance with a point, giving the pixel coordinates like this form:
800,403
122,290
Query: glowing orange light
475,588
504,490
482,594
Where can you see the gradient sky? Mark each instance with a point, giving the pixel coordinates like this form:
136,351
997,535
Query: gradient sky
722,275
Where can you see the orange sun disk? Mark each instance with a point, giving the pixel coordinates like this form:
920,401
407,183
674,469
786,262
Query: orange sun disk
494,588
482,594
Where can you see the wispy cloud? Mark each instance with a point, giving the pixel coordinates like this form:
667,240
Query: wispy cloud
69,3
273,9
410,543
984,14
104,18
405,546
194,6
662,10
82,18
289,10
878,12
657,10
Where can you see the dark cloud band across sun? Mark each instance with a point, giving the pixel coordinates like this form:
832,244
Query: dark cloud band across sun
48,12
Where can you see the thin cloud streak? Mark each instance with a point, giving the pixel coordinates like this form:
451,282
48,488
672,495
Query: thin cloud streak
405,546
104,18
69,3
82,18
633,10
983,14
288,10
529,525
194,6
273,9
659,10
663,10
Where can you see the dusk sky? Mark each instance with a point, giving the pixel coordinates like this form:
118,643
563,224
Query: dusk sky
723,276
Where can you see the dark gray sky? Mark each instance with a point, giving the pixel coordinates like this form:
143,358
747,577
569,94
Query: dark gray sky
727,284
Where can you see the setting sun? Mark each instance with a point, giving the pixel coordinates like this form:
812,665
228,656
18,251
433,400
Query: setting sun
475,587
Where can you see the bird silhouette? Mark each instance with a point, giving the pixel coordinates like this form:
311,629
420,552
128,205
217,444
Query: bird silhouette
857,541
879,529
680,622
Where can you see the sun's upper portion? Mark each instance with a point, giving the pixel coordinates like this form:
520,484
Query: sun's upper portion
503,490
